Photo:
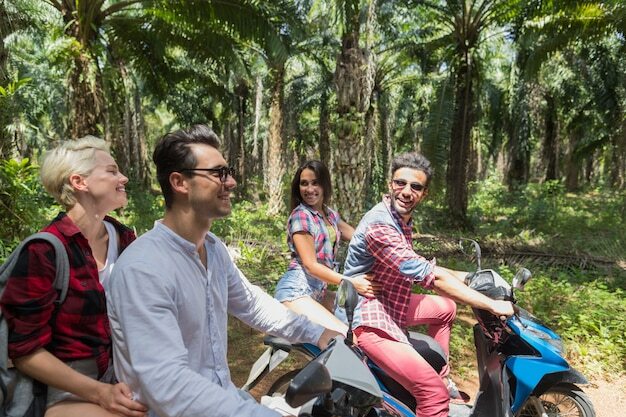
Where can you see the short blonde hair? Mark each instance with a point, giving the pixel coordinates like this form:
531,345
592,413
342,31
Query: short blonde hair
71,157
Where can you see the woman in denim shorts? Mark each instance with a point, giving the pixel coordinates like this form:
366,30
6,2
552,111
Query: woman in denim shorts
313,234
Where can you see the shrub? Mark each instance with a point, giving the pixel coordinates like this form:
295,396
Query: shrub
24,205
258,239
588,316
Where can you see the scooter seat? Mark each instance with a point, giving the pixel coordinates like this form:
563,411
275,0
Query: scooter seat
429,349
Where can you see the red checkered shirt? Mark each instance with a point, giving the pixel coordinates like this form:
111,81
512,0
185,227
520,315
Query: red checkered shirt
78,328
393,253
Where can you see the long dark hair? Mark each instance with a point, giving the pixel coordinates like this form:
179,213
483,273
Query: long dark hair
323,178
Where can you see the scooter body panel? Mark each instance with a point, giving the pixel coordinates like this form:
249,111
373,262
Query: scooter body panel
529,371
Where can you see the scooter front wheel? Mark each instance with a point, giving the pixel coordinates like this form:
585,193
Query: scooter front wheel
562,400
279,387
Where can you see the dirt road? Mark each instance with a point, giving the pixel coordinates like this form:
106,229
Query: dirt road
608,397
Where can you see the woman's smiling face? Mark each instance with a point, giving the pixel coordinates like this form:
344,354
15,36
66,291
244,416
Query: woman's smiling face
310,189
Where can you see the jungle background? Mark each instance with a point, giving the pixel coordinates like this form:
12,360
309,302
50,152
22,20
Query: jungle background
520,105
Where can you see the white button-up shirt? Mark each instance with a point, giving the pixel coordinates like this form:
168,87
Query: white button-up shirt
168,317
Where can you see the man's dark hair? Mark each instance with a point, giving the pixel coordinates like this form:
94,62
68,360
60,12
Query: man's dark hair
172,153
413,160
323,179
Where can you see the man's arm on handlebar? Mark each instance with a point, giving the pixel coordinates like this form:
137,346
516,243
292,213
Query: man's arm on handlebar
448,284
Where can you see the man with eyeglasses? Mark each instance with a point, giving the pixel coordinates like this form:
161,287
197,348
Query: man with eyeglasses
170,292
382,246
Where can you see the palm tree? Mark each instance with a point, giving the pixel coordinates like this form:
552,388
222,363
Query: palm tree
542,30
14,17
275,151
466,24
85,22
354,81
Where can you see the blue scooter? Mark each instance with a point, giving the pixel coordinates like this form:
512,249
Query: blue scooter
521,365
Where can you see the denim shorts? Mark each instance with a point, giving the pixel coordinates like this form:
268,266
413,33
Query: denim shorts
86,367
296,284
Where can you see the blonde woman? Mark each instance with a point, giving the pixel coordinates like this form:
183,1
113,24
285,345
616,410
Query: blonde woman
68,346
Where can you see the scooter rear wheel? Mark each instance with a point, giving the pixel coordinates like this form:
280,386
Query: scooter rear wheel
563,400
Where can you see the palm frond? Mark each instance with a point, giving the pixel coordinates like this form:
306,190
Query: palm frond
436,140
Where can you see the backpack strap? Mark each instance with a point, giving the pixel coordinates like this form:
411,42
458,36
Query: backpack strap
62,277
61,280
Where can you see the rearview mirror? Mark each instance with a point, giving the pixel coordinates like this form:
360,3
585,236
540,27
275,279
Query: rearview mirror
521,278
310,382
347,297
472,248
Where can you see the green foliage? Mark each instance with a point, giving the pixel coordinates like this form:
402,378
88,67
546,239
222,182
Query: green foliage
588,316
24,206
546,215
439,128
258,241
586,307
142,210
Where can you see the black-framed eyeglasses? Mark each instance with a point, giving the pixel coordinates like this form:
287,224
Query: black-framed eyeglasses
223,172
415,186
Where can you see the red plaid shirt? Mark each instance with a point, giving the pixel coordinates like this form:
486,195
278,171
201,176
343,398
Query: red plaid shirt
78,328
396,267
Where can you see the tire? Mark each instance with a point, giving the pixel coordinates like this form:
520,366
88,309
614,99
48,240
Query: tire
562,400
279,387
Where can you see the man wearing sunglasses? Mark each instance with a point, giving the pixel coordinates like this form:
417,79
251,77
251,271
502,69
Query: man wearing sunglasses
382,246
170,293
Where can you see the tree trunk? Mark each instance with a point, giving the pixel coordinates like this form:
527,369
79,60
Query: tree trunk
374,173
5,25
275,149
139,159
474,162
324,126
258,102
239,161
573,164
241,117
118,119
354,82
617,175
458,158
5,114
589,168
84,97
227,139
385,120
550,143
519,140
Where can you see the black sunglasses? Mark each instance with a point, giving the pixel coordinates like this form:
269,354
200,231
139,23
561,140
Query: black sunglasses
223,172
415,186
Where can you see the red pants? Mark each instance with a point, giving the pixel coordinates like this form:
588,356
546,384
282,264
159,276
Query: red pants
401,362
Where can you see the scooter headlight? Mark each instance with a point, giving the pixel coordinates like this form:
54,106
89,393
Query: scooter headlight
557,344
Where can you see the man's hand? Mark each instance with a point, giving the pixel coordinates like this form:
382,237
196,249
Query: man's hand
118,399
364,285
502,309
326,337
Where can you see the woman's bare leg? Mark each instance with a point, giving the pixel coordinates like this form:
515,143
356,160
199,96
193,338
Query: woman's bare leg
77,409
316,313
